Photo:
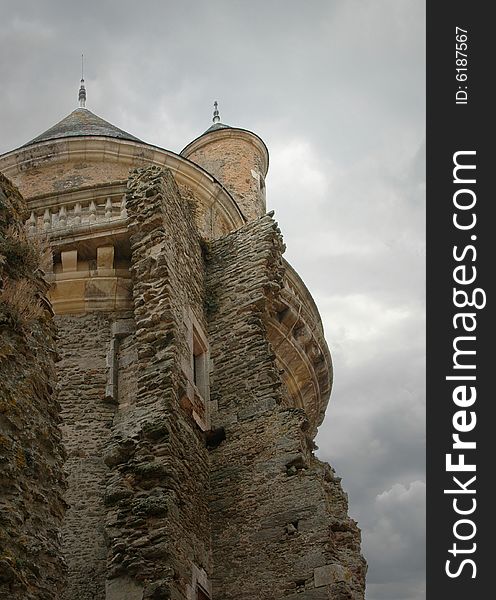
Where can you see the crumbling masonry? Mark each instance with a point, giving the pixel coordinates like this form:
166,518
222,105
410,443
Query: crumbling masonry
184,389
31,451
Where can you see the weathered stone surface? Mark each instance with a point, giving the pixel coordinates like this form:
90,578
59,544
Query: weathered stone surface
87,418
31,452
239,160
158,527
273,504
330,574
123,588
193,376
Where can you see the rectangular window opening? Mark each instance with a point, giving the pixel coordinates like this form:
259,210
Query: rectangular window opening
200,365
196,369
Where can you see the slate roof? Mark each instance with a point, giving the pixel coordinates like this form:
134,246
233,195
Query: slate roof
82,122
216,126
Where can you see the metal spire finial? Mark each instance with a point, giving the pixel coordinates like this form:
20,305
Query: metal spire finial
216,118
82,89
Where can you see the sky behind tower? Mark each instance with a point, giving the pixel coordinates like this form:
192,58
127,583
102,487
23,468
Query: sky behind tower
336,90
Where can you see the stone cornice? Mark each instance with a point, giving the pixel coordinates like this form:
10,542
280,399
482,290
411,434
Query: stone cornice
99,149
298,341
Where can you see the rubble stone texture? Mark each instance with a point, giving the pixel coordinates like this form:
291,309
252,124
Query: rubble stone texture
156,496
192,377
31,451
278,514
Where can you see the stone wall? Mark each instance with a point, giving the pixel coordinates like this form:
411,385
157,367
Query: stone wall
235,157
84,343
279,516
31,453
156,496
172,488
56,175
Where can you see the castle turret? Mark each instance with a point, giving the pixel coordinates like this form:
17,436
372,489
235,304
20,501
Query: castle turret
193,374
238,158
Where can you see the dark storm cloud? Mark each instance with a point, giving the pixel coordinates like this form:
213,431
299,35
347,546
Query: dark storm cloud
335,88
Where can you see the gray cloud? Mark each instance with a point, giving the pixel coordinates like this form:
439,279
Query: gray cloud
336,89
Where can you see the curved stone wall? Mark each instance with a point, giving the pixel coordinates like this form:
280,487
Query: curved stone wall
297,338
59,174
239,160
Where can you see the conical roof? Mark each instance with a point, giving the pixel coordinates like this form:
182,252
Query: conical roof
216,126
82,122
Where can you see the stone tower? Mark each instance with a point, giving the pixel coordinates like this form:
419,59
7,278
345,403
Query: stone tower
192,373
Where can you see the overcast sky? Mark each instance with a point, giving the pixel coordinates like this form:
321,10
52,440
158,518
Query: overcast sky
336,90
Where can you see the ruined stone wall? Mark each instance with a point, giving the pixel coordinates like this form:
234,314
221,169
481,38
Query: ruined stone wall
162,496
279,516
83,345
156,496
31,452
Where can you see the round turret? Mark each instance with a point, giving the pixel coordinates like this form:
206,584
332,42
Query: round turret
238,158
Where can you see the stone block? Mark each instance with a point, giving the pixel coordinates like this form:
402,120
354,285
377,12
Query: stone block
123,588
105,257
330,574
122,327
69,261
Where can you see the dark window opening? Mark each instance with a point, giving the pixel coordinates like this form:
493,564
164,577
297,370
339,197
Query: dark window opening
200,365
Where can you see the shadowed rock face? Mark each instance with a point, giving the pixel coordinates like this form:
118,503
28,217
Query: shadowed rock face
31,452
